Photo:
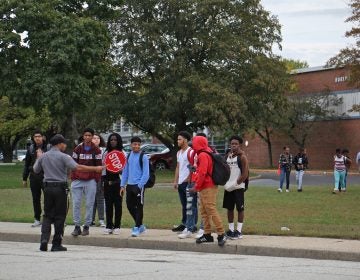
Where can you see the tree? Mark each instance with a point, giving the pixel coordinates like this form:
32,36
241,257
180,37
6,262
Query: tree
292,64
350,56
183,62
62,62
17,123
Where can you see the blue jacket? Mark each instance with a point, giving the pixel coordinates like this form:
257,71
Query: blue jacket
133,174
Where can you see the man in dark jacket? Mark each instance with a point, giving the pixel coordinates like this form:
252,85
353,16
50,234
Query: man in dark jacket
300,162
37,148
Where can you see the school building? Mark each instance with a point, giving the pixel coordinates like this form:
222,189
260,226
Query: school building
326,135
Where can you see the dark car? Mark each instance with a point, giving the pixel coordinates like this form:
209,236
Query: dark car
161,160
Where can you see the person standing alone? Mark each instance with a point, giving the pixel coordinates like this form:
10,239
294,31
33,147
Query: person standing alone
86,153
36,149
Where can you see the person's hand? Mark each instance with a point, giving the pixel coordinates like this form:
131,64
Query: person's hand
238,181
99,169
176,186
192,190
122,191
24,184
39,153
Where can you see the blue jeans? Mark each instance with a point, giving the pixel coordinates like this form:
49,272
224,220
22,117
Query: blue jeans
191,208
182,196
339,177
285,173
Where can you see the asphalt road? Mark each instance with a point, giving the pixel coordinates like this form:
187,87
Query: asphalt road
327,179
25,261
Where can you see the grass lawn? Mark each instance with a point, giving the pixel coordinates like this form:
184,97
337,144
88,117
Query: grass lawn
314,212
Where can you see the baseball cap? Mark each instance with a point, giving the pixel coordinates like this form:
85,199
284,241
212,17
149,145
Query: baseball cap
57,139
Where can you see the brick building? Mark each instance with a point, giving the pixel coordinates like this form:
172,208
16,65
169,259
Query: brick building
325,136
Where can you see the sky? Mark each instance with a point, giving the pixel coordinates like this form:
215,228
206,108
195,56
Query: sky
312,30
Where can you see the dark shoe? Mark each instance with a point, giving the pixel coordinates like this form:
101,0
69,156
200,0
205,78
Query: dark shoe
230,234
205,238
85,231
299,190
43,246
58,248
221,240
194,230
77,231
237,235
179,228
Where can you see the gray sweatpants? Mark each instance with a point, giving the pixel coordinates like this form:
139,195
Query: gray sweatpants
78,188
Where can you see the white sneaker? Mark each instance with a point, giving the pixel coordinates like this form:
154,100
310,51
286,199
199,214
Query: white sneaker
287,190
200,233
102,223
116,231
36,223
185,234
107,231
279,190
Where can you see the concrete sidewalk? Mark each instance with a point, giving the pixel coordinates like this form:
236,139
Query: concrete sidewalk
277,246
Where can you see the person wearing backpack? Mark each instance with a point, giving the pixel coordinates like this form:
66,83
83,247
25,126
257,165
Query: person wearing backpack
37,148
86,153
205,184
236,186
135,176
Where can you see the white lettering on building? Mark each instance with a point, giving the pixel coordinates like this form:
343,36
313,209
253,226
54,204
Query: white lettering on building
341,79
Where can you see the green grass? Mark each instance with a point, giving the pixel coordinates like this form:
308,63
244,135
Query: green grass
314,212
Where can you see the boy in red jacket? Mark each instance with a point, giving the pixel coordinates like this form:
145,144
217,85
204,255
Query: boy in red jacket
208,192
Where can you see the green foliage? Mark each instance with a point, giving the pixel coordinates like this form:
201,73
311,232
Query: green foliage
182,63
292,64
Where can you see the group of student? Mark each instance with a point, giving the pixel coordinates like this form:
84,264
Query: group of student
342,163
193,181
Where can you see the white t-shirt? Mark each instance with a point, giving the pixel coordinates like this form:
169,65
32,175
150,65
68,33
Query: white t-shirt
183,161
235,173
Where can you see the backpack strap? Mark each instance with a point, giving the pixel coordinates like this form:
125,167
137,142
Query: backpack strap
191,156
141,159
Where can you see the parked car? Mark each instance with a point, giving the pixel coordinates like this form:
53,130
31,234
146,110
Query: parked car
161,160
153,148
20,155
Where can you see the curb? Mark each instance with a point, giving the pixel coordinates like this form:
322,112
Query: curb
162,240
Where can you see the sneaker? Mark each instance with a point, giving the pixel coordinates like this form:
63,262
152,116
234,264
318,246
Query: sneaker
237,235
116,231
102,223
279,190
287,190
142,229
85,231
205,238
221,240
335,191
58,248
185,234
230,234
200,233
299,190
179,228
92,224
77,231
107,231
343,190
43,246
36,223
135,232
194,229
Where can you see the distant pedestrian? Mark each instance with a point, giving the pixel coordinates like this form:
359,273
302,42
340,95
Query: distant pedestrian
99,203
285,163
234,189
55,165
301,163
339,171
135,175
208,192
348,162
358,160
36,149
86,153
113,194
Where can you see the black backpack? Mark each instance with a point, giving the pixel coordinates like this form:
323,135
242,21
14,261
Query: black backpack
152,177
221,170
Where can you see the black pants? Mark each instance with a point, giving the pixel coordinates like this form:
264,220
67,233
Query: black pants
36,187
182,196
113,201
135,203
55,206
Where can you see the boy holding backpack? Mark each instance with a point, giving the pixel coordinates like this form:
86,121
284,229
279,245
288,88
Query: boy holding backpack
208,191
135,176
236,186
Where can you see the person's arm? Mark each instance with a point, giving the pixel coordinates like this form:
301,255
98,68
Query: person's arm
125,175
37,168
202,169
71,164
26,170
145,172
244,169
176,180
